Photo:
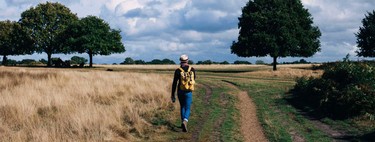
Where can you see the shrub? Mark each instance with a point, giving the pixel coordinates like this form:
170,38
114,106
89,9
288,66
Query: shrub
346,89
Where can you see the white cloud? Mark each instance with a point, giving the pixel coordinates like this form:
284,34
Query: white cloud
338,21
126,6
203,28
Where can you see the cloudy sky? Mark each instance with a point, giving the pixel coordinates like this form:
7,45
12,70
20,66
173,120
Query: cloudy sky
203,29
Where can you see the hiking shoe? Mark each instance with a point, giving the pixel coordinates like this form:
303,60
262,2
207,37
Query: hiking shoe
184,126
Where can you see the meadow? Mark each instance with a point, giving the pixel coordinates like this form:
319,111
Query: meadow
132,103
79,105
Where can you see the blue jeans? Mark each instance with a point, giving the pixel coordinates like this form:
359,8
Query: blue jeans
185,98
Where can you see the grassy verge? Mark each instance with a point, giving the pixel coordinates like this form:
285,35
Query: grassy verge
280,120
222,123
268,89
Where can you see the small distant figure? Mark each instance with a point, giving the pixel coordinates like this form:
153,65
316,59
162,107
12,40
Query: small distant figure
185,77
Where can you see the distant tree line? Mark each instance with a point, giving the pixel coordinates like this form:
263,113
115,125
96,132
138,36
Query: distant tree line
75,61
52,28
130,61
302,61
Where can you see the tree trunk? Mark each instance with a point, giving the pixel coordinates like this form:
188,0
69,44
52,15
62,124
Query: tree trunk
4,60
90,56
49,63
274,63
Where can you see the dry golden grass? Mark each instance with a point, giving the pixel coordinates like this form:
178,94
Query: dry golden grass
67,105
42,104
286,72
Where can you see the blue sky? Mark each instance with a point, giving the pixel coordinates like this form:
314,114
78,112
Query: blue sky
203,29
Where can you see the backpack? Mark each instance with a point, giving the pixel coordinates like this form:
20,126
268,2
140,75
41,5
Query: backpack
187,80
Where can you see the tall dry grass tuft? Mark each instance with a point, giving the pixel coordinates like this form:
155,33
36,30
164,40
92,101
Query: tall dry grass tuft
66,105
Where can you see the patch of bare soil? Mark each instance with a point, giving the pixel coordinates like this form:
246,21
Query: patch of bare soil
251,129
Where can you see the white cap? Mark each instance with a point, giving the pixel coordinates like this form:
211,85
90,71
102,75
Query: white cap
184,58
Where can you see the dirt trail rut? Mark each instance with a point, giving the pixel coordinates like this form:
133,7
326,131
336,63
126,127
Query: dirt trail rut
251,129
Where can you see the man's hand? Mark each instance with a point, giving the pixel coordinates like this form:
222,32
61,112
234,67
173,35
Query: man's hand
173,98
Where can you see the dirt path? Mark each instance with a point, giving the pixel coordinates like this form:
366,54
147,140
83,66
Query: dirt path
250,126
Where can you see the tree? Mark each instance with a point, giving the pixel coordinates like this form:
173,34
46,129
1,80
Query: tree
224,63
93,36
207,62
241,62
12,62
155,61
276,28
128,61
259,62
190,62
78,60
13,40
27,61
43,61
303,61
139,62
366,36
45,22
168,62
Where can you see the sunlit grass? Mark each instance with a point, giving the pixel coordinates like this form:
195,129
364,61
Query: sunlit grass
66,105
131,102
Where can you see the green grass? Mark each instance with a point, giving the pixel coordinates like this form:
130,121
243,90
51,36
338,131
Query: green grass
213,121
280,120
222,108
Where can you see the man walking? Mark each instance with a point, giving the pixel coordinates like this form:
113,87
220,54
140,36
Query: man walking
185,77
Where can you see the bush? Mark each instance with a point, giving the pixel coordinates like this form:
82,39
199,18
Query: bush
346,89
224,63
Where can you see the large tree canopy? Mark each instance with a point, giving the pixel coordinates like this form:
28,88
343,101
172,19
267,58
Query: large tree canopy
366,36
13,40
45,22
276,28
93,36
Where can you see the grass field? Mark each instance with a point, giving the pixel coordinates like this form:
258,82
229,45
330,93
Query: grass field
131,103
79,105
